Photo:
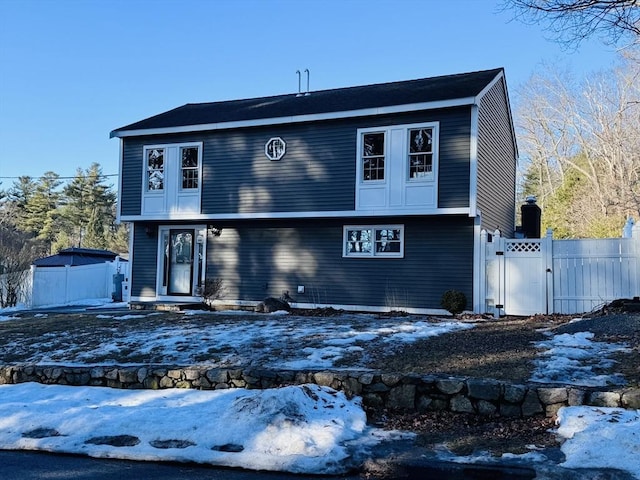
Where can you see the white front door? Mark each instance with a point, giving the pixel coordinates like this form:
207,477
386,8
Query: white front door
181,262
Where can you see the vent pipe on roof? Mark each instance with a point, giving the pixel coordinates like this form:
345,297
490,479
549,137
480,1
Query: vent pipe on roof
306,70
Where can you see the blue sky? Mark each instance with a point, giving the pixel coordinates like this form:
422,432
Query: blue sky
72,70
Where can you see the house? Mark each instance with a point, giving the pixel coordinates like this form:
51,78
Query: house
365,198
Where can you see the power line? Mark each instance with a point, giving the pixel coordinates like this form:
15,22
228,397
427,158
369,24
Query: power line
60,178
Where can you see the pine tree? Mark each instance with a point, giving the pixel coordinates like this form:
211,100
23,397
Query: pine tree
88,207
40,211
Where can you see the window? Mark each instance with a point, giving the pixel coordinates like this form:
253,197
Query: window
189,167
397,167
373,156
420,153
171,178
155,169
374,241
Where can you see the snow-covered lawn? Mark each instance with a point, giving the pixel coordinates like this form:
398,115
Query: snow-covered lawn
306,428
224,339
576,359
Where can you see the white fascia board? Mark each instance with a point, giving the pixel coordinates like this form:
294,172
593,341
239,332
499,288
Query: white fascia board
294,215
297,118
473,162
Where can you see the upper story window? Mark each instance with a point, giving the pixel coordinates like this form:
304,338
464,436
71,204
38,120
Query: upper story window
397,167
155,169
189,167
172,178
420,153
374,241
373,153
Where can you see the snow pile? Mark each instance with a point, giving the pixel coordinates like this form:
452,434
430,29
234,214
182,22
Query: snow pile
575,359
299,429
600,438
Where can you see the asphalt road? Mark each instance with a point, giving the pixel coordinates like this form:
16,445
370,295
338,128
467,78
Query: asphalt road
21,465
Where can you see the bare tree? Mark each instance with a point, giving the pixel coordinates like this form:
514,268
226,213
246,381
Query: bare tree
17,251
580,147
572,21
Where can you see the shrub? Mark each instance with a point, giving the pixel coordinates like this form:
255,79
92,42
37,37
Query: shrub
213,289
453,301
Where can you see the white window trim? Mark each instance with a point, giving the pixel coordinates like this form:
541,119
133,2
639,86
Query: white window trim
198,145
178,179
373,253
434,152
386,129
145,170
361,133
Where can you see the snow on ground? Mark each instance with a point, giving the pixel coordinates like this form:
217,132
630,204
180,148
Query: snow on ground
575,359
600,438
299,429
225,339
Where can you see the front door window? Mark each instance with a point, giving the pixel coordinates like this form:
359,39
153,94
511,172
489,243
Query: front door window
180,262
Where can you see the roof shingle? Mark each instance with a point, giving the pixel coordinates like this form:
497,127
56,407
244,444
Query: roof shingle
448,87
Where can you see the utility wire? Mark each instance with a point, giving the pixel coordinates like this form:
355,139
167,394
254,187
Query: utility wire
61,178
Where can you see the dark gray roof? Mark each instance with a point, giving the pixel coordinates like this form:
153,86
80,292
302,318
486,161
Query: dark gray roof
448,87
75,256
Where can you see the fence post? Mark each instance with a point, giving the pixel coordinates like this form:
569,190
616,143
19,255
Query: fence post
547,245
29,290
627,230
481,302
67,272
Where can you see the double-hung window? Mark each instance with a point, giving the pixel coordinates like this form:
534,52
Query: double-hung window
172,178
397,167
189,167
155,169
420,149
372,157
373,241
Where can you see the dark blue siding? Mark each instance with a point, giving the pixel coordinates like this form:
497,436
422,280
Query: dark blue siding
316,174
496,162
143,266
259,259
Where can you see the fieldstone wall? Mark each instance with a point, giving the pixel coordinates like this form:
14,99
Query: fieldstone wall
378,391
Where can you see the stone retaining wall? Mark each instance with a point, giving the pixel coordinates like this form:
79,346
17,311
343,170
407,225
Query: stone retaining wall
398,392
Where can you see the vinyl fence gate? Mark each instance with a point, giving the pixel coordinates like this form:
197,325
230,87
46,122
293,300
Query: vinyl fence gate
544,276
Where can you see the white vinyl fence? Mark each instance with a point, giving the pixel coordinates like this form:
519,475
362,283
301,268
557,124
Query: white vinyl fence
63,285
530,276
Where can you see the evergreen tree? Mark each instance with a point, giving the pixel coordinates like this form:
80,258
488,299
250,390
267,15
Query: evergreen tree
16,199
88,207
40,210
95,235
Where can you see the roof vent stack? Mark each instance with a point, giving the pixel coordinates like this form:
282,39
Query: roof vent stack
300,94
299,86
306,70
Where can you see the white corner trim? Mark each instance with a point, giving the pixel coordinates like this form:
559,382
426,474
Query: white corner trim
473,162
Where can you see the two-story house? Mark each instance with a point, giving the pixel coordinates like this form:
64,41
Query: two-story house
364,198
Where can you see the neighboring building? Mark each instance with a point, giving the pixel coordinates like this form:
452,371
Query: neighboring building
75,256
364,198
